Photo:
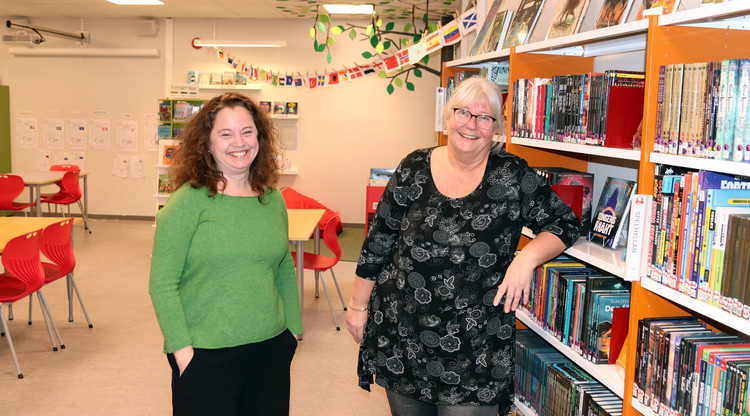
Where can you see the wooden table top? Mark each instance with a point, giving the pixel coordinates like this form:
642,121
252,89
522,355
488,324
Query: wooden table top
302,222
38,177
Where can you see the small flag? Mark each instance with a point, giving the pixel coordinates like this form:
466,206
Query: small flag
468,21
298,81
433,41
343,76
403,57
333,78
289,80
354,73
391,63
417,52
451,33
322,80
312,81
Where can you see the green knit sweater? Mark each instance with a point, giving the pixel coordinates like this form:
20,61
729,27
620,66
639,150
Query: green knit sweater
221,270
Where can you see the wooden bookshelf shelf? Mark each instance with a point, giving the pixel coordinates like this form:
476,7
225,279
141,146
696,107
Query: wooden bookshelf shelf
605,374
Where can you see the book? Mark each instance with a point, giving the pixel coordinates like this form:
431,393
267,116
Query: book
657,7
636,259
601,324
192,77
204,79
500,25
227,78
164,185
165,111
167,149
613,12
279,107
610,213
216,78
742,122
291,107
164,131
567,18
565,176
480,40
523,23
265,105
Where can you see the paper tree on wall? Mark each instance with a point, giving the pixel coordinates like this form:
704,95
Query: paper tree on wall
382,40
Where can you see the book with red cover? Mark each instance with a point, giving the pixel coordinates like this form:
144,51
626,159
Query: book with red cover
619,332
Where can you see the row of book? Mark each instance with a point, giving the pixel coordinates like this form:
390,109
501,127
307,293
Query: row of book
685,369
178,110
380,176
582,308
697,241
601,109
216,78
703,110
550,384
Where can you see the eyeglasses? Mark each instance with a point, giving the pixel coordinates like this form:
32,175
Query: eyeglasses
463,116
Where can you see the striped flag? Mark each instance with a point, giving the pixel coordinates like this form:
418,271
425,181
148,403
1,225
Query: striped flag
451,33
403,57
433,41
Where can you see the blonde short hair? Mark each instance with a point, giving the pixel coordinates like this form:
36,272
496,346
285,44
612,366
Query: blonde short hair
475,90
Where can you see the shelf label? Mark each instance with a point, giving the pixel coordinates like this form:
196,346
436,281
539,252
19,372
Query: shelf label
183,90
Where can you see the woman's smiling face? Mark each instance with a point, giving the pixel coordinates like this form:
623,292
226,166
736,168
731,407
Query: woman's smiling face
468,137
234,140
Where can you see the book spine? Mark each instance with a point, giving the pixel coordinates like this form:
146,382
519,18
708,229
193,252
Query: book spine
743,110
659,109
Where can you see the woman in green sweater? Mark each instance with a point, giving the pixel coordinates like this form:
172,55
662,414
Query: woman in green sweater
222,277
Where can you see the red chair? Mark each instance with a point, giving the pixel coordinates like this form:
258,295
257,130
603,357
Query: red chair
62,168
70,193
23,276
57,246
10,187
296,200
321,263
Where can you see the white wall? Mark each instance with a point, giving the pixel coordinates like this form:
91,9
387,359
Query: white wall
343,130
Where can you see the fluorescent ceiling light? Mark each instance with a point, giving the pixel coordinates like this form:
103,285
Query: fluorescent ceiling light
137,2
93,52
349,8
198,43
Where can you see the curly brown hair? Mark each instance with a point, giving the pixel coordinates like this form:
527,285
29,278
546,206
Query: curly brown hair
194,163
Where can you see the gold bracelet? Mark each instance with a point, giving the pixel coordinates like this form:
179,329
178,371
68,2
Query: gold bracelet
357,309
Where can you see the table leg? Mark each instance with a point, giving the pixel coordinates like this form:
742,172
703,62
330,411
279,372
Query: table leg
38,200
300,273
316,248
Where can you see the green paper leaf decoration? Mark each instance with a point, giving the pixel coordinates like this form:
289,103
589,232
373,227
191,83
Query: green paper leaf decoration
410,86
379,23
374,40
325,18
390,26
366,55
407,27
369,29
390,89
380,48
352,34
416,38
426,59
321,47
398,82
331,41
417,72
387,44
315,44
432,27
328,57
321,27
312,32
382,74
336,30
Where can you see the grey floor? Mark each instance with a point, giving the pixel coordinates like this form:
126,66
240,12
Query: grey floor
118,368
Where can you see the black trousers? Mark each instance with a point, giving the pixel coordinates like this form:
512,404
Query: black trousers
250,379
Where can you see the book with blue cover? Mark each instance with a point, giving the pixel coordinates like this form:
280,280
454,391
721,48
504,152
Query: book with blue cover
611,211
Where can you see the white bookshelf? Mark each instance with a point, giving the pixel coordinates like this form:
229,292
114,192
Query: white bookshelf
594,254
723,166
612,152
254,86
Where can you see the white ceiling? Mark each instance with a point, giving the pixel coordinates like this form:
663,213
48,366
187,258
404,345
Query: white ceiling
206,8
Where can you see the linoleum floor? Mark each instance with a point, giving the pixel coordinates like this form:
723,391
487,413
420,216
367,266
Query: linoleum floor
118,368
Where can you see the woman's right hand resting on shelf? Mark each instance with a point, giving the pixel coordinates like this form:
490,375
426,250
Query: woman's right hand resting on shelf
183,356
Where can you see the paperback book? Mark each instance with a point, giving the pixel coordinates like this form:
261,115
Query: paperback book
611,211
523,23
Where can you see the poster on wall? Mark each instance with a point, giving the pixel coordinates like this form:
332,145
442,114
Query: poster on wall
150,136
79,158
43,160
120,166
99,137
136,167
75,133
127,136
53,133
26,133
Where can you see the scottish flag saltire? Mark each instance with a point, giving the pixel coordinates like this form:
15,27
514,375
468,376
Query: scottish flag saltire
468,21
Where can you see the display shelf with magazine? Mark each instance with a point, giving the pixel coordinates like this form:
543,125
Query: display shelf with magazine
254,86
711,33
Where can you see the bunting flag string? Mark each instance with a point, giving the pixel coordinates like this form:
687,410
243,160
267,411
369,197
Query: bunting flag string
446,35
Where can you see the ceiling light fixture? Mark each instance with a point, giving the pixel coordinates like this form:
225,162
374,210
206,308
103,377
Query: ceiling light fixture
199,43
137,2
349,8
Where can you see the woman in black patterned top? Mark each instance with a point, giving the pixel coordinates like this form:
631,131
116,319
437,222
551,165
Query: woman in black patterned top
437,281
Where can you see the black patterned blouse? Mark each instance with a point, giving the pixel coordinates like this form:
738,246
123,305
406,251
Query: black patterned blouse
432,332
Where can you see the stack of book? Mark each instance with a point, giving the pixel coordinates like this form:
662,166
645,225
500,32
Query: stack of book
703,110
380,177
698,237
576,304
602,109
684,368
550,384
